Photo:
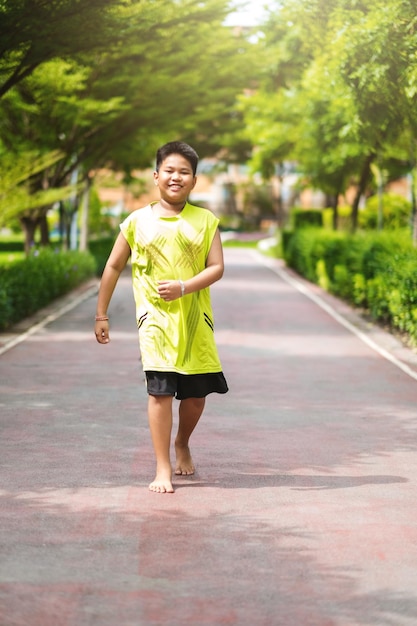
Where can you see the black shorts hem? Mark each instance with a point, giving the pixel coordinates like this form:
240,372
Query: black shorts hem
183,386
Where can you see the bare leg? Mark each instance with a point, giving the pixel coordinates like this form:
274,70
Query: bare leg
190,411
160,424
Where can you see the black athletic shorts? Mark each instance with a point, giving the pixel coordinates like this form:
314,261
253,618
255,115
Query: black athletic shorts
184,386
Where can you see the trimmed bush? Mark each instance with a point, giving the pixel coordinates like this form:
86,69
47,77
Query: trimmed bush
100,249
11,246
377,271
396,212
32,283
306,218
344,218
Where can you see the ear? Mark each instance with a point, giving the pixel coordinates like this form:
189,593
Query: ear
194,182
156,177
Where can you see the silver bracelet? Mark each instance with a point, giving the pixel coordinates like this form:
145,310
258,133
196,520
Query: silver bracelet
181,282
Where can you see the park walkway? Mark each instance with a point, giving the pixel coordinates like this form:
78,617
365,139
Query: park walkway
303,511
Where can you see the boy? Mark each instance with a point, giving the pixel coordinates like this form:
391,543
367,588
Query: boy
176,255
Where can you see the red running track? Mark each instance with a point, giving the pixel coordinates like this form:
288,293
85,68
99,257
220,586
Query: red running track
304,506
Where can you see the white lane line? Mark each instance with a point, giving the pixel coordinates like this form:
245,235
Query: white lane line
48,319
334,314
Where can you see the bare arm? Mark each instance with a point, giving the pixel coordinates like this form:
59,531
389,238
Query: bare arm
171,289
114,266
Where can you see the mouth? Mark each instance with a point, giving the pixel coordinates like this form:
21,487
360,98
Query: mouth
175,187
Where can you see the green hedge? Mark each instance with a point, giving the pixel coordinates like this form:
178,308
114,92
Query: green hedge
11,246
396,212
376,271
305,218
30,284
100,249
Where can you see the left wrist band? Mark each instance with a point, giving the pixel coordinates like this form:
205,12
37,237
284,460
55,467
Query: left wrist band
182,285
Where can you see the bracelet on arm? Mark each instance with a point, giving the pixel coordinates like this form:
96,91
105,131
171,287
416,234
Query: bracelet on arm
101,318
182,285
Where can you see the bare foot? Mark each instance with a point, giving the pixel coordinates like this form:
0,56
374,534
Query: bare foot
162,483
184,465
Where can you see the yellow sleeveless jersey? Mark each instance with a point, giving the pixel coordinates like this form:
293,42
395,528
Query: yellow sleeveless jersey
175,336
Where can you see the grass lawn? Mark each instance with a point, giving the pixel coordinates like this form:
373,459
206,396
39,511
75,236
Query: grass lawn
269,246
9,257
12,252
237,243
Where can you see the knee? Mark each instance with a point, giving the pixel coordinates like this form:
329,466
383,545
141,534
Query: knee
159,401
194,403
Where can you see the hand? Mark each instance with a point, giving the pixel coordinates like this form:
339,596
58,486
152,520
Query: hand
101,330
169,290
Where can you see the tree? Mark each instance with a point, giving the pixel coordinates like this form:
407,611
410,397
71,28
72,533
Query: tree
347,71
35,31
172,72
370,60
17,199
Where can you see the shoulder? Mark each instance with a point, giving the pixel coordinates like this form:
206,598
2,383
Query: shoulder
194,207
137,215
203,213
134,223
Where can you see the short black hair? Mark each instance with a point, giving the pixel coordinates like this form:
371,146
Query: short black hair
177,147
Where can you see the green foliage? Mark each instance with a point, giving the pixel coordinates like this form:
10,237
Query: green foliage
344,218
396,212
98,223
33,31
11,246
237,222
377,271
100,249
15,196
105,82
306,247
326,98
30,284
358,290
238,243
257,200
302,218
383,250
322,276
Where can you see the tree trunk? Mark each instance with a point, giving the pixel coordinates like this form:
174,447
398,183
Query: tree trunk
414,205
415,230
334,205
277,197
379,176
363,182
413,218
29,226
332,202
85,203
44,230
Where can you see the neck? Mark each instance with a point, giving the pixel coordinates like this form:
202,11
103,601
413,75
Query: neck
165,208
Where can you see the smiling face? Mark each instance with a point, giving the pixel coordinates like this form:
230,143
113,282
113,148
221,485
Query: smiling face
175,179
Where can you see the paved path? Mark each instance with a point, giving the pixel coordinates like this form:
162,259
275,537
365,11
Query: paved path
304,508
